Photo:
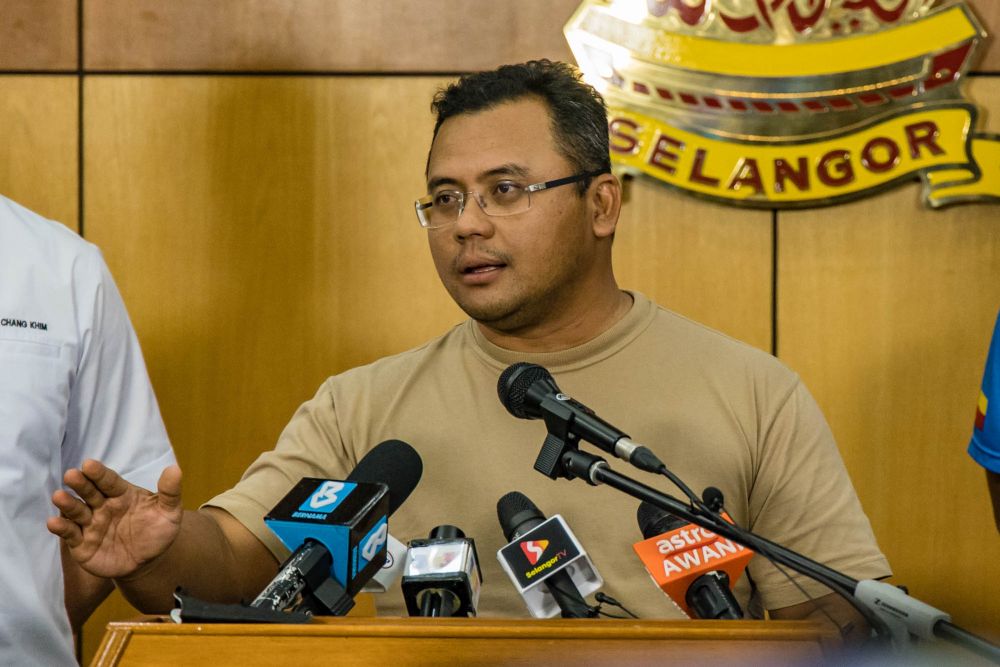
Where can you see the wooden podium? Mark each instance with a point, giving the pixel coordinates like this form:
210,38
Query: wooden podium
402,642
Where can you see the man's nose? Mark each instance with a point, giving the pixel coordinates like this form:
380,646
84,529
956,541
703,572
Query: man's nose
473,221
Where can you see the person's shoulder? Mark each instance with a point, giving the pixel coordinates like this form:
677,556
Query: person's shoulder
434,355
32,237
714,348
696,333
28,226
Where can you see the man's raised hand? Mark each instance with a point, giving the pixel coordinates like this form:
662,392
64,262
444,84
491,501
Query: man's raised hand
115,528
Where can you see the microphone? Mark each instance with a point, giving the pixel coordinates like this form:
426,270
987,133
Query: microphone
695,567
528,391
441,576
392,569
337,531
545,551
369,469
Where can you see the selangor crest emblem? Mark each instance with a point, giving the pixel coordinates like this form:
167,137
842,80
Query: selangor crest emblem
790,103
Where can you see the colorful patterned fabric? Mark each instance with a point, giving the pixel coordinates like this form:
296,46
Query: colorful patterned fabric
985,444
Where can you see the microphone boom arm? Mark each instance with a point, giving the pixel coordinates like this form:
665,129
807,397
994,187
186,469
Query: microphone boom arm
884,606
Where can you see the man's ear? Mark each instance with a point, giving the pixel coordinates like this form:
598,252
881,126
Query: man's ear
605,198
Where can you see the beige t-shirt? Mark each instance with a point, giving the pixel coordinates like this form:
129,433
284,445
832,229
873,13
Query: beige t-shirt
716,411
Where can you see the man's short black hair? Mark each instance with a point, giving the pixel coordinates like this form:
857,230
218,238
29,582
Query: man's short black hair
577,113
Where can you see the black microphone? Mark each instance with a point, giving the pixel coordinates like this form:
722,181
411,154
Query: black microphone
441,576
337,530
545,551
529,392
702,589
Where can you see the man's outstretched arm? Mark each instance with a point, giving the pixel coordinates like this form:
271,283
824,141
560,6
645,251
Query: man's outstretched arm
150,545
83,591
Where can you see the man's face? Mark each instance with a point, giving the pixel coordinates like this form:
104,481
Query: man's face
510,273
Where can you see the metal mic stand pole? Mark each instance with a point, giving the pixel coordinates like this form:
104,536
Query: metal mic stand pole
886,605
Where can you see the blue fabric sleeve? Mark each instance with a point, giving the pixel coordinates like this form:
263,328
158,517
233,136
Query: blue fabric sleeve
984,447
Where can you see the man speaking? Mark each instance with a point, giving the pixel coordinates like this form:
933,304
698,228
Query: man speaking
520,213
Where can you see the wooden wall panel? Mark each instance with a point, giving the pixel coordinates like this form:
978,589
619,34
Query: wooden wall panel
885,307
708,262
333,35
988,12
264,236
38,35
38,132
262,233
326,35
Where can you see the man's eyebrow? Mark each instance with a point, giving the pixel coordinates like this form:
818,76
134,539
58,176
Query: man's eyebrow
509,169
439,181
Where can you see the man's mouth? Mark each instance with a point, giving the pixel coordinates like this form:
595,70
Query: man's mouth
479,270
472,266
482,268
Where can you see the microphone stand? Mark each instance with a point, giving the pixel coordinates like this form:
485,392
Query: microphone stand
304,584
884,605
302,588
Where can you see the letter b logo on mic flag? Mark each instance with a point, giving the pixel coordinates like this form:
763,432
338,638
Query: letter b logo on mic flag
533,550
327,497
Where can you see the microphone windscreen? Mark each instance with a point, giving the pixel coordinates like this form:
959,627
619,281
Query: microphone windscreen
393,463
713,497
513,385
655,521
447,532
513,510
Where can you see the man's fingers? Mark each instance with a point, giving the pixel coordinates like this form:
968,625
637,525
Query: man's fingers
71,508
106,480
83,487
65,529
168,489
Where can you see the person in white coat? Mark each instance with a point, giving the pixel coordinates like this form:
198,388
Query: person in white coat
73,386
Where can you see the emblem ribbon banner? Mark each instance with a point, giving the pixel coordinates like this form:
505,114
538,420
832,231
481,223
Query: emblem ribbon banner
935,141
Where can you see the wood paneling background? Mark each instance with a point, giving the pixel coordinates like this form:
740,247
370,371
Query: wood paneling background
39,132
248,169
38,35
321,35
885,308
278,214
710,262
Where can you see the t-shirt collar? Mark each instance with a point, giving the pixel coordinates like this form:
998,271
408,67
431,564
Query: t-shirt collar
635,321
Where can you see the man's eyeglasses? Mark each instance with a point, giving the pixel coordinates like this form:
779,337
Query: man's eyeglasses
503,197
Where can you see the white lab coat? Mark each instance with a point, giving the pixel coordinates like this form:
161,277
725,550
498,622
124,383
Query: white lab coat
73,385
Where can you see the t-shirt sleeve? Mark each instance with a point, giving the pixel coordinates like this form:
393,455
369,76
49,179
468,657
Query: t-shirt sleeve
310,446
803,498
112,414
984,446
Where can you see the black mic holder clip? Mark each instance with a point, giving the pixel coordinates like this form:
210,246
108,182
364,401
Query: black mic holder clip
189,609
560,440
560,455
549,461
327,599
304,583
302,588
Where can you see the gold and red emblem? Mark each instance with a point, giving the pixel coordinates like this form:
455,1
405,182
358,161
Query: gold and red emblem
790,103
